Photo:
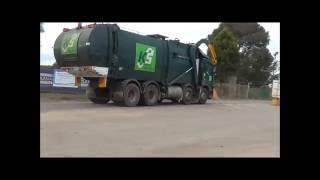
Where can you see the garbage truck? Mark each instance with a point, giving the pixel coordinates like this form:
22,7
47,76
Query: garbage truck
131,69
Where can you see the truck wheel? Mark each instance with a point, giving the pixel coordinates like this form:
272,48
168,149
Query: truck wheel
150,95
187,95
203,96
131,94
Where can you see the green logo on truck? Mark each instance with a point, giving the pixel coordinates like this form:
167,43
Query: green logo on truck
145,58
207,76
70,43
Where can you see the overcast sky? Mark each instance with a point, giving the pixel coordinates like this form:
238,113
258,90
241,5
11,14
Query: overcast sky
185,32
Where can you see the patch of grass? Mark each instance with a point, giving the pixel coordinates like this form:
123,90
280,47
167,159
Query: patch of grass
62,96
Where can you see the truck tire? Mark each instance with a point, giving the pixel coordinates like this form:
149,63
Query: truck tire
150,95
204,95
131,94
187,95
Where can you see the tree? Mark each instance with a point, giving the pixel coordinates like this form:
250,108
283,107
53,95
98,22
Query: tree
274,77
255,66
255,58
274,67
227,51
247,34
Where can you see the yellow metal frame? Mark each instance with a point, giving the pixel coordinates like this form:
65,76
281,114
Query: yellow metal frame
275,101
212,54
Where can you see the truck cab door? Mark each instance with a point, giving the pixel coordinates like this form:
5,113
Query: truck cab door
206,73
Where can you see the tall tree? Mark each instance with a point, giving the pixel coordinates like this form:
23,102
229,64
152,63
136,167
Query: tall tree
227,51
255,66
274,68
247,34
255,58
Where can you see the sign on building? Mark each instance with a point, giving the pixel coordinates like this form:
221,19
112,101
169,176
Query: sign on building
65,79
84,82
46,78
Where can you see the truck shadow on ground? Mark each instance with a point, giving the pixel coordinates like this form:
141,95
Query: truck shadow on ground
77,105
166,103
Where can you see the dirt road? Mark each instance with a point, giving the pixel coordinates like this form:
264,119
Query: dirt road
222,128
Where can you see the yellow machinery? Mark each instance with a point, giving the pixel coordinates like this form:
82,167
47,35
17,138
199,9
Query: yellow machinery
213,56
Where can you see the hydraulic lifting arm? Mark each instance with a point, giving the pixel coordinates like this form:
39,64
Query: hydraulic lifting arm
211,49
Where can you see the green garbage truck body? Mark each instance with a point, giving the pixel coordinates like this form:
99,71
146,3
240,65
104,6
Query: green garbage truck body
131,69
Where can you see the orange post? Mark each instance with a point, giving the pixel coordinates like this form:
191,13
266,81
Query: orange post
78,81
102,82
215,95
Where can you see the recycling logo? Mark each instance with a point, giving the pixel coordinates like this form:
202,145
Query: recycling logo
206,75
145,58
70,43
